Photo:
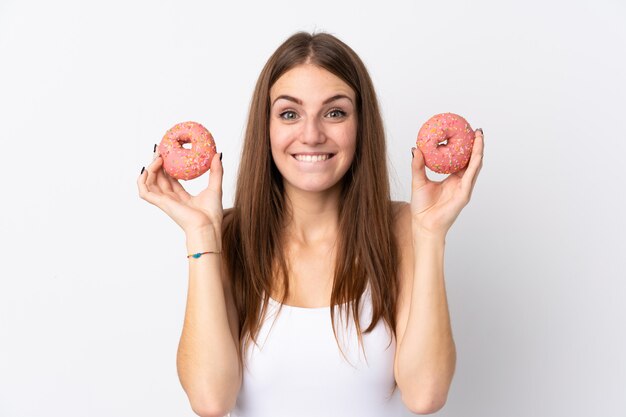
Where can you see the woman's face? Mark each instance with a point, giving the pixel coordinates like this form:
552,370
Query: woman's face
313,125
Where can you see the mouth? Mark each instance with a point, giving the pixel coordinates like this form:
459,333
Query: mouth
317,157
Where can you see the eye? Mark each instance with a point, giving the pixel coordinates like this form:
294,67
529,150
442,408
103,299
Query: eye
336,113
288,115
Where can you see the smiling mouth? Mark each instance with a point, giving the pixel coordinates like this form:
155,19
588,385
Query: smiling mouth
313,158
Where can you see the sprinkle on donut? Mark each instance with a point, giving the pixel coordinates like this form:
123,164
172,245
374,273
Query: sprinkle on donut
446,141
182,163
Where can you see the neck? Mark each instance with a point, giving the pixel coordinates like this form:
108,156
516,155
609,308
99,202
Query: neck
315,215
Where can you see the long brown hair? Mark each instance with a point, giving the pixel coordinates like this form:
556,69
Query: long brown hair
253,228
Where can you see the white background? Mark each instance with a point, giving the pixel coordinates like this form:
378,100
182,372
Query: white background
93,279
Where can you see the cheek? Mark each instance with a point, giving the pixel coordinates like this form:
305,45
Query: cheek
275,140
276,153
351,141
348,138
279,136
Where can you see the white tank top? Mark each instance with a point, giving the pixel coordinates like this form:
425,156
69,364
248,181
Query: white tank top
298,371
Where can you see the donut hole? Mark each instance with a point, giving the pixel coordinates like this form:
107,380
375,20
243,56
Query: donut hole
184,140
443,142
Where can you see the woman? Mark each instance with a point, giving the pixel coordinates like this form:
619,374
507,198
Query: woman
314,227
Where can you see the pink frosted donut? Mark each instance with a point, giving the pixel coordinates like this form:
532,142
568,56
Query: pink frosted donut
182,163
446,141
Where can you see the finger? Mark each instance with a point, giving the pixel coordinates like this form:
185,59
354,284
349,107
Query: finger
161,178
216,174
418,169
144,192
163,182
153,170
171,184
177,188
475,164
482,157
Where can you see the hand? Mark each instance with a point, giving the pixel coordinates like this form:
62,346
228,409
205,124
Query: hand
436,205
189,212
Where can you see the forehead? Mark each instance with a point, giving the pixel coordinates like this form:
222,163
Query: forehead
310,82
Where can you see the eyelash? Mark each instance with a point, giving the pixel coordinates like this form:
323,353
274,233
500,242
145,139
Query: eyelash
341,114
282,115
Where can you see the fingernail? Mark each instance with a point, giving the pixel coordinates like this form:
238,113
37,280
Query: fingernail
142,170
154,150
412,154
221,156
481,130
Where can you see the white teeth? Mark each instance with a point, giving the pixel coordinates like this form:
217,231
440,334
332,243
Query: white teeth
312,158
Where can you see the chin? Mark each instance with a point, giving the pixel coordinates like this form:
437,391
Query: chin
311,187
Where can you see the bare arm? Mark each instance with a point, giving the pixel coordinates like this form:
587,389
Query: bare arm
426,354
207,360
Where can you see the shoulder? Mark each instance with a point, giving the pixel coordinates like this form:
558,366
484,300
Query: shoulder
403,236
228,217
229,240
401,212
400,208
404,243
230,232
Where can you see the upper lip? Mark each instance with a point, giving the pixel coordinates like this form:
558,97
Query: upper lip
312,153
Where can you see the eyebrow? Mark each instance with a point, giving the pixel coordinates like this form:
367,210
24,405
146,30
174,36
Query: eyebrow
298,101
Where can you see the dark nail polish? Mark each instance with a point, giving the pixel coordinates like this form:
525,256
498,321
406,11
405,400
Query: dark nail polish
142,170
412,154
220,156
154,150
481,130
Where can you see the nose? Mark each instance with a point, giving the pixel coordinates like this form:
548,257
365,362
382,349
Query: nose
312,133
